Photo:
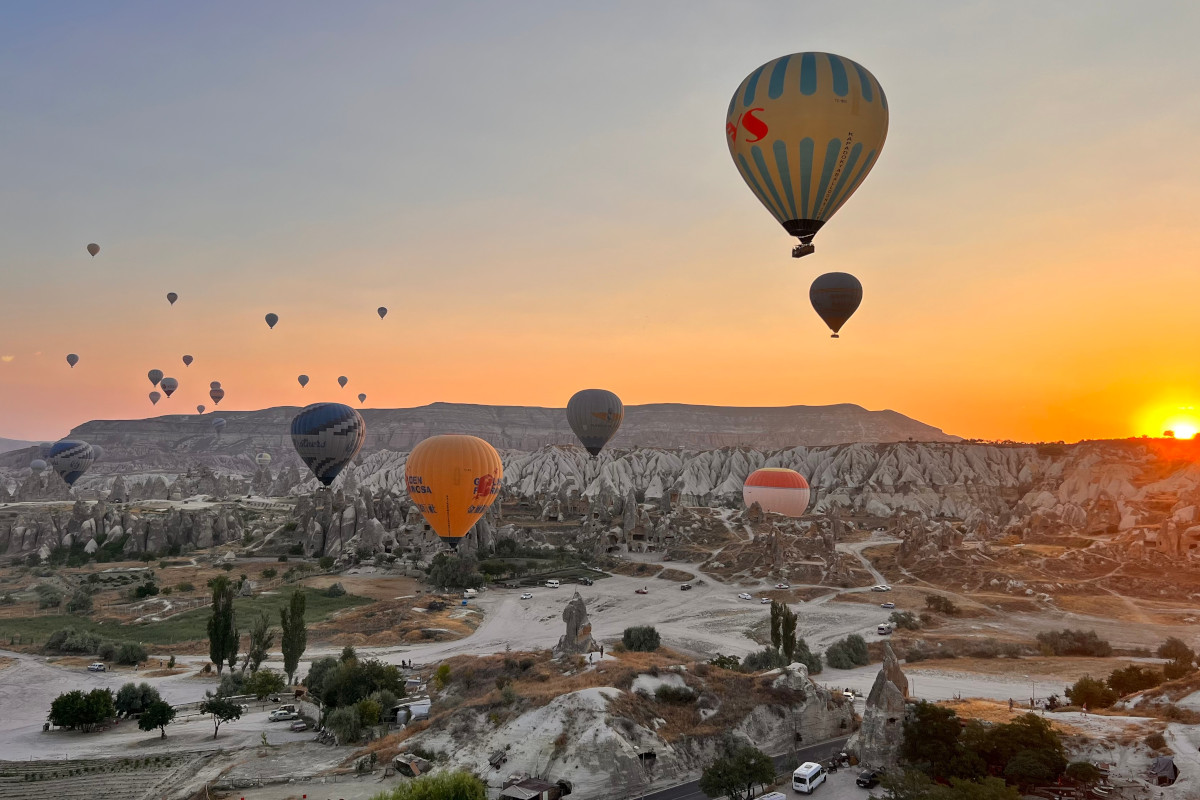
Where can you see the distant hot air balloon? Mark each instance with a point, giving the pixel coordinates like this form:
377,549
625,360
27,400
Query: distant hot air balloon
169,385
303,379
342,381
595,415
154,398
215,385
835,297
327,436
172,297
72,359
93,248
804,130
37,465
382,312
187,361
453,479
97,452
271,320
218,425
216,395
262,459
782,491
70,459
200,409
155,375
362,398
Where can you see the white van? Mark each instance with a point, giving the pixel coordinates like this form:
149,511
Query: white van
553,583
471,593
885,629
808,776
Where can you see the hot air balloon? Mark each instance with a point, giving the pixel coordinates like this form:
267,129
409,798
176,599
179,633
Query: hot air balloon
37,465
327,436
215,385
93,249
216,395
72,359
155,375
804,130
200,409
262,459
169,385
172,297
303,379
154,398
382,312
97,452
342,381
187,361
835,297
218,424
782,491
453,479
271,320
70,459
595,415
362,398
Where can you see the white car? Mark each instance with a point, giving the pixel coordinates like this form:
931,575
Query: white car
783,586
97,666
764,601
279,715
745,596
881,587
887,605
527,596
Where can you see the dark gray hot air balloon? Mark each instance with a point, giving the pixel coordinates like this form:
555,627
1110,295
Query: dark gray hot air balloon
155,375
835,297
216,395
72,359
154,398
218,424
200,409
303,380
70,459
215,385
595,415
172,297
93,248
362,398
187,361
37,465
342,381
382,312
169,385
271,320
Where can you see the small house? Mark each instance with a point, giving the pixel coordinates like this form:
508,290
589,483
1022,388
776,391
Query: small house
535,789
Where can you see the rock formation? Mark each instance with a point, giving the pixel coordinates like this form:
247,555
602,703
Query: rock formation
877,743
578,638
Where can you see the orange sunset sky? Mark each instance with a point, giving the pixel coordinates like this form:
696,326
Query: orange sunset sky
542,196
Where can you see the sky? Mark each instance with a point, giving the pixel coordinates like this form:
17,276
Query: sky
541,195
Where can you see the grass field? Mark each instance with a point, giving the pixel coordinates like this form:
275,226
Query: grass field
186,627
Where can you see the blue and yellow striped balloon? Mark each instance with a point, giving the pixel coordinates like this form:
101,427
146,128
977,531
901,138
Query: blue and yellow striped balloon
804,130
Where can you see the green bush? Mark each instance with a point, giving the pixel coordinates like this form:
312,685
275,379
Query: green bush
130,653
762,660
1068,642
1133,678
325,563
80,603
848,653
726,662
641,639
185,586
941,605
905,620
345,724
440,786
269,573
675,695
1090,692
70,640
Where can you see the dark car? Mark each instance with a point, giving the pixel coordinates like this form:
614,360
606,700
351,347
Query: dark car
586,581
685,587
867,779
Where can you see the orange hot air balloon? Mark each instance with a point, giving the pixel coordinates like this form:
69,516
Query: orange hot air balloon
778,490
453,479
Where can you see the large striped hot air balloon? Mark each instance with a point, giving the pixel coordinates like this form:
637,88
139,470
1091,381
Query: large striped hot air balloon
169,385
835,297
70,458
453,479
782,491
804,130
327,436
595,415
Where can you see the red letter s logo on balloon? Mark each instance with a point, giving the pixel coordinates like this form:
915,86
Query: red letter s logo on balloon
751,124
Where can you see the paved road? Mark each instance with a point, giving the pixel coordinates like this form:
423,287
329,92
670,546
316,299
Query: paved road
783,763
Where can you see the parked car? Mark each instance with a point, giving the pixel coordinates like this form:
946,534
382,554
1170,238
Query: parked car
527,596
745,596
783,586
846,693
881,587
867,779
279,715
683,587
764,601
887,605
97,666
298,725
586,581
643,590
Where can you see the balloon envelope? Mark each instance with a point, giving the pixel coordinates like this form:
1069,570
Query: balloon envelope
835,297
382,312
327,436
70,458
97,452
215,385
262,459
453,479
271,320
218,424
37,465
303,379
200,409
216,395
362,398
595,415
93,248
804,130
72,359
154,398
169,385
172,297
342,381
781,491
187,361
155,375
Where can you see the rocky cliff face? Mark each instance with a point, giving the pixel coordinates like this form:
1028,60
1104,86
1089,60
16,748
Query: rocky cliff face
877,743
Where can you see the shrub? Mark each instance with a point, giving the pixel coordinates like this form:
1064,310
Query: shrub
848,653
48,596
765,659
130,653
345,724
641,639
1091,692
1156,741
335,590
1083,772
457,785
905,620
80,603
675,695
325,563
508,695
185,586
915,655
70,640
941,605
269,573
726,662
441,676
1073,643
1133,678
1173,670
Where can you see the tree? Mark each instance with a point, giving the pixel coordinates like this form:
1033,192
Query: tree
80,603
765,659
1029,768
726,662
222,628
157,715
130,653
787,622
640,638
345,724
987,789
848,653
911,784
263,682
776,624
735,775
235,643
293,634
262,636
134,698
1090,692
1133,678
457,785
76,709
454,572
1176,650
941,605
1069,642
1083,772
222,711
932,743
905,620
1003,745
344,683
